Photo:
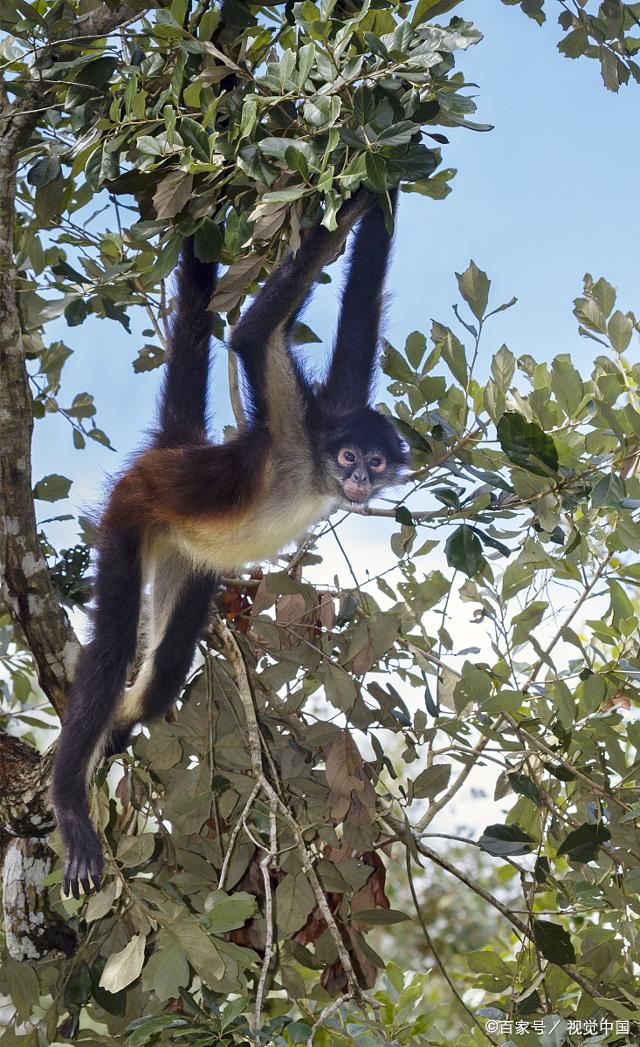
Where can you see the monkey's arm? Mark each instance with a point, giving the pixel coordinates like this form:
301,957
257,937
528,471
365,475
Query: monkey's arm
183,399
285,290
350,377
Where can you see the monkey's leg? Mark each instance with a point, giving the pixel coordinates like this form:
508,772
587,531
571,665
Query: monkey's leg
180,602
99,680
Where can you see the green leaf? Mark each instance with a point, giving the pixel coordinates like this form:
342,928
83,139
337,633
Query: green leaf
135,850
567,385
575,43
144,1030
452,352
149,357
583,844
398,134
431,781
526,621
412,436
426,10
173,193
364,105
52,488
44,171
294,901
506,839
340,688
98,72
170,973
76,312
503,368
524,786
124,967
482,962
609,491
376,173
207,241
503,701
226,913
436,186
403,516
553,942
286,196
381,917
620,329
321,110
301,334
526,444
22,983
396,366
194,135
77,991
474,685
415,347
464,551
199,947
297,161
82,406
474,287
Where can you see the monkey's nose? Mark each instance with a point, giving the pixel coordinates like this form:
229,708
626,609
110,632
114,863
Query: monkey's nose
360,476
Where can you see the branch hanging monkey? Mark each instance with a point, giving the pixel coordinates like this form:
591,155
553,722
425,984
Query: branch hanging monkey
188,511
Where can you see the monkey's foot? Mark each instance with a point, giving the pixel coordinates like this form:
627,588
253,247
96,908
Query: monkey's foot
83,856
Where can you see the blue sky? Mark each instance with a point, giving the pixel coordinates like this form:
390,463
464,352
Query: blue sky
549,194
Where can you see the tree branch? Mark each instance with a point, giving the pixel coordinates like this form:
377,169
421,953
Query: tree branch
26,587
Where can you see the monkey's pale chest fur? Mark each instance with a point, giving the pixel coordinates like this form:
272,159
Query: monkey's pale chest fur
289,505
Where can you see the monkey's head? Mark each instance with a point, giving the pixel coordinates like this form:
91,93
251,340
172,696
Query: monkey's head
363,453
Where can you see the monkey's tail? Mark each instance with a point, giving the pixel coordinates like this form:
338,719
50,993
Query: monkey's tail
183,400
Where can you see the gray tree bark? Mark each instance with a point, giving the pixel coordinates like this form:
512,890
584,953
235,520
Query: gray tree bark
26,589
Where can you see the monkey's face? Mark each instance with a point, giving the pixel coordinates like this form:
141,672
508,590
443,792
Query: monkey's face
361,473
363,453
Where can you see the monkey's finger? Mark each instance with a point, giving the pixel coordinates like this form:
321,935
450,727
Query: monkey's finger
87,885
95,866
71,880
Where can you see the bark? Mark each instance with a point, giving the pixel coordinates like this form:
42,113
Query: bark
27,590
31,928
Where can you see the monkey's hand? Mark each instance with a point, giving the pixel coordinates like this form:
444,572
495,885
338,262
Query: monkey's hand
83,855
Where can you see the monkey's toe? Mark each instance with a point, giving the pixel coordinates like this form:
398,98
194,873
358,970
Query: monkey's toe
83,861
82,870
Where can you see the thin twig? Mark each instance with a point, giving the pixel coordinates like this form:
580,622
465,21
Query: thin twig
328,1012
265,864
436,956
585,983
234,656
234,836
574,610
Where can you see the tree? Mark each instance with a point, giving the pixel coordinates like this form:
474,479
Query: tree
252,846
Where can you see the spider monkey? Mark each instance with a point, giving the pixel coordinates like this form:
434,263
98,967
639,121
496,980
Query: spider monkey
187,510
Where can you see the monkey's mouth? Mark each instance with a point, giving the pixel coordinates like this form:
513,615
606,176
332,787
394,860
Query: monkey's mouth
357,493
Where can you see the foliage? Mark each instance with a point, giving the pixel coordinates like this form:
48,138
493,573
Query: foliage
608,32
221,898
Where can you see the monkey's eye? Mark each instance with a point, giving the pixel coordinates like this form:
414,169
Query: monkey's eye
346,457
378,463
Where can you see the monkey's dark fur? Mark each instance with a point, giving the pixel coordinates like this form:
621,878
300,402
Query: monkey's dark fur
187,510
